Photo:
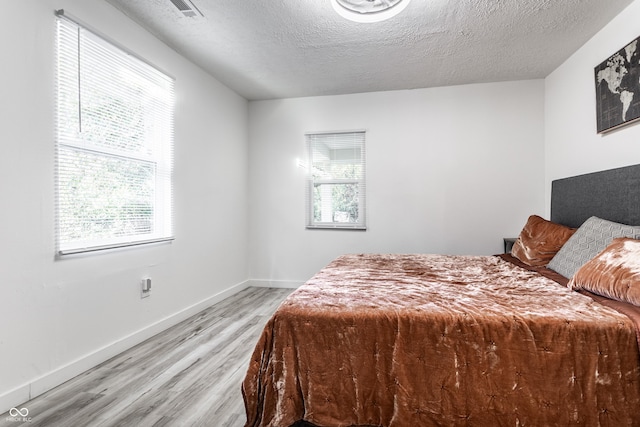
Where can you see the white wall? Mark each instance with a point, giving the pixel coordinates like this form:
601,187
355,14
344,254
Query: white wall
61,317
572,145
449,170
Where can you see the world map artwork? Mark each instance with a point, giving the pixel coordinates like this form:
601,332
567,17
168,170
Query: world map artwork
618,88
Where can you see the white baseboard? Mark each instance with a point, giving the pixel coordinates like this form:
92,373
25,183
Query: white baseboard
14,398
289,284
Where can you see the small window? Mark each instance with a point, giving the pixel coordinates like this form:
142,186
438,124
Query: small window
336,183
114,145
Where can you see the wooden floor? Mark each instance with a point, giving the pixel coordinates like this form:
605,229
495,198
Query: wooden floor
189,375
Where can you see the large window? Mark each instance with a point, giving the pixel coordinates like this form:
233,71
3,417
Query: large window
114,145
336,183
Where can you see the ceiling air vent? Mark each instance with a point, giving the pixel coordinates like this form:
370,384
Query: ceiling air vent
187,8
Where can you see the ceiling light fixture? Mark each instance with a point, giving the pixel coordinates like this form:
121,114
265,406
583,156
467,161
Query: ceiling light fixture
369,10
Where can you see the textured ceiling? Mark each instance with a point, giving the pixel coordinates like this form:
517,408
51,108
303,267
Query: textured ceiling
266,49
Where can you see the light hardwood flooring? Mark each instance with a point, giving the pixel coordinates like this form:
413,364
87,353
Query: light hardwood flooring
188,375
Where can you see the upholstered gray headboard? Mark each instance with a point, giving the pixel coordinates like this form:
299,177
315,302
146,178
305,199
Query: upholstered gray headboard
612,194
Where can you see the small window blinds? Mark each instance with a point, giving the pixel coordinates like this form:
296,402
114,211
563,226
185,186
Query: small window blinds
114,145
336,187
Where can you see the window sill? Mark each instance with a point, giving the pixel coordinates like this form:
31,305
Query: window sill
337,227
94,249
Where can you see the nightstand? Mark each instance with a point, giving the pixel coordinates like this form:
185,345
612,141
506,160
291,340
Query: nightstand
508,244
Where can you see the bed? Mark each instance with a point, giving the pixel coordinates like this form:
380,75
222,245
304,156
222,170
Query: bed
546,335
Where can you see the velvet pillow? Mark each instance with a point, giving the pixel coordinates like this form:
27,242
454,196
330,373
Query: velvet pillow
614,273
589,240
540,240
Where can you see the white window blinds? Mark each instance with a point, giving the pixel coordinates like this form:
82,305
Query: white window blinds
336,187
114,145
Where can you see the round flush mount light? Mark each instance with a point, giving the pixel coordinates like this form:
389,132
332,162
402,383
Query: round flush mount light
369,10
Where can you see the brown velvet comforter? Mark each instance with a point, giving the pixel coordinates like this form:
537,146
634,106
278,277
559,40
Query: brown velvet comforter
423,340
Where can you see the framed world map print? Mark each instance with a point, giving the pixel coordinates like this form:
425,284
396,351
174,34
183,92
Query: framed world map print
618,88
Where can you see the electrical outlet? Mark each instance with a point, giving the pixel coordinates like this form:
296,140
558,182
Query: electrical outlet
145,287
